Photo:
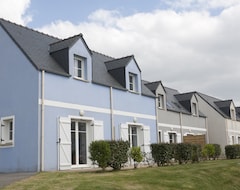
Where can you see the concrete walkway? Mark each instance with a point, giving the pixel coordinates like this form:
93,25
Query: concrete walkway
8,178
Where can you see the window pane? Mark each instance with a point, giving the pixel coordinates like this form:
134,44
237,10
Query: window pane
82,148
82,126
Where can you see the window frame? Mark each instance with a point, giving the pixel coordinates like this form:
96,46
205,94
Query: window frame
194,109
161,101
131,135
7,131
132,82
82,69
174,139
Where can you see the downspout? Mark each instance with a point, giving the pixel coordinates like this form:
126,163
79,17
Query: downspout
157,130
206,124
42,123
181,130
111,113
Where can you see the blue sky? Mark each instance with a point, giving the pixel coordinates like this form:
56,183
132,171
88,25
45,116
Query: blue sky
190,45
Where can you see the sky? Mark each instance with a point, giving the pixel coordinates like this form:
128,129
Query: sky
190,45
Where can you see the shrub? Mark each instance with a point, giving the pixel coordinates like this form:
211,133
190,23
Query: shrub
183,152
217,152
208,151
100,153
196,152
119,154
232,151
161,153
136,155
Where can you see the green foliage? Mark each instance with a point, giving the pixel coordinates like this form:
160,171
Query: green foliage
183,152
119,156
136,155
196,152
217,149
100,153
208,151
161,153
232,151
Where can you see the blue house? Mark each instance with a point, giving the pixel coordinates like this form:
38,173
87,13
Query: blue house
57,96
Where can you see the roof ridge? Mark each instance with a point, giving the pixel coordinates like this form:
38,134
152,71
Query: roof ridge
33,30
61,40
121,58
102,54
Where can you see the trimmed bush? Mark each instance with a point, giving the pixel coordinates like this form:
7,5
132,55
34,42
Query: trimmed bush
119,154
183,152
208,151
100,153
161,153
232,151
136,155
217,152
196,152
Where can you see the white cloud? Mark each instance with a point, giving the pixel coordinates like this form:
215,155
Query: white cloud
189,50
15,11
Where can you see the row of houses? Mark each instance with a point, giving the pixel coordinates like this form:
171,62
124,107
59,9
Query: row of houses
57,96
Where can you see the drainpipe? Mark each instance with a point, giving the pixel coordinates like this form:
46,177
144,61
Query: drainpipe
156,110
111,112
181,130
42,124
206,124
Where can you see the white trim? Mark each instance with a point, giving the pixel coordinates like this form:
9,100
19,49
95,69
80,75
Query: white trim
95,109
9,143
183,127
234,131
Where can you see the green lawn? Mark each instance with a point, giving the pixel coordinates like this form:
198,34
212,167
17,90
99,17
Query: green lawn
208,175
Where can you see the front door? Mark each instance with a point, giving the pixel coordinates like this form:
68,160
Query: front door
78,142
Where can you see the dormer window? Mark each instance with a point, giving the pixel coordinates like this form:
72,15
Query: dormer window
79,68
161,101
132,82
194,108
233,114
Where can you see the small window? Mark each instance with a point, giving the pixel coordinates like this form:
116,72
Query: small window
132,82
133,136
7,131
233,114
194,108
159,136
233,140
238,140
79,68
172,138
160,101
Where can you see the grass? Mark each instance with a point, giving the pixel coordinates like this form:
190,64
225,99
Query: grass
219,175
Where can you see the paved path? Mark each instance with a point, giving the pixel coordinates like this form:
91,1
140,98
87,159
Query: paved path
7,179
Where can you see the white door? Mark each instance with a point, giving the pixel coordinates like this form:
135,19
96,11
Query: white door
64,143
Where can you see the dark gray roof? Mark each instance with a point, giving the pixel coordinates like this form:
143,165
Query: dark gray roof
63,44
172,102
145,90
153,85
118,63
101,74
217,104
35,46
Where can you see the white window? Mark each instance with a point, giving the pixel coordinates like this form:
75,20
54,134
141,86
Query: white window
194,108
7,131
238,140
233,114
172,138
233,140
132,82
159,136
160,101
79,67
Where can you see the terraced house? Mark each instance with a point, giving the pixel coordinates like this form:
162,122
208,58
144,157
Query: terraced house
178,116
57,96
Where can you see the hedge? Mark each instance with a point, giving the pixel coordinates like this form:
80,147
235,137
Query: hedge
232,151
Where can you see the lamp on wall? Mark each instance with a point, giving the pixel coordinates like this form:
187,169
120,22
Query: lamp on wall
81,112
134,120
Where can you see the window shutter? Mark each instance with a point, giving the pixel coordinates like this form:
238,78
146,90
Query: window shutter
146,139
98,130
179,140
166,137
64,143
124,132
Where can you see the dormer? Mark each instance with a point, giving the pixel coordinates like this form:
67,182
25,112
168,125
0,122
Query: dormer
189,102
158,89
227,108
74,56
127,72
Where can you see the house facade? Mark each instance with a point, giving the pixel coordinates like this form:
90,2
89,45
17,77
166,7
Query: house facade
223,120
178,116
58,96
